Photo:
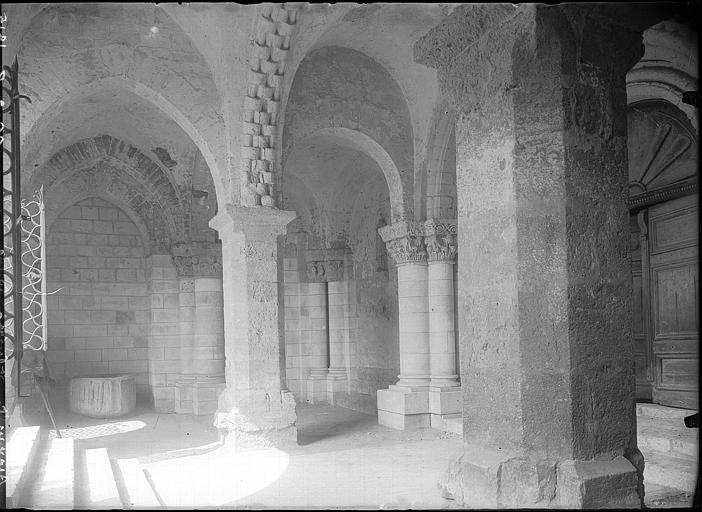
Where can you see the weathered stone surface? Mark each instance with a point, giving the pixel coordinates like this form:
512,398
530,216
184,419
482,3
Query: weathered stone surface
544,283
102,397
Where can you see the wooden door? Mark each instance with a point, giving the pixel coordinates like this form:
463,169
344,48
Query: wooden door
641,321
674,301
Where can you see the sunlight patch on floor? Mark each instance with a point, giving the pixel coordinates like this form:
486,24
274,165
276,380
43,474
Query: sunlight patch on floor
104,429
216,478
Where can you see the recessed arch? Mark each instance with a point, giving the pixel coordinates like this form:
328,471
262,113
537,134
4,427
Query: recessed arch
144,92
336,88
54,212
162,68
361,142
110,167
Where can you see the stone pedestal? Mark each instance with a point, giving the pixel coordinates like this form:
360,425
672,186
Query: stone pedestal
545,293
102,397
316,386
254,407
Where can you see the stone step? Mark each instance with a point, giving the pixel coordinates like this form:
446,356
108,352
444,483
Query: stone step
99,481
22,451
135,490
660,496
669,436
54,484
669,471
661,411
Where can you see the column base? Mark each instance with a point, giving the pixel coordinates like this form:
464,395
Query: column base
249,420
490,478
337,383
198,395
403,409
316,387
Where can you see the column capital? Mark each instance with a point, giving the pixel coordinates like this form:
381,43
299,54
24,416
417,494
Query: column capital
325,271
197,259
441,247
404,241
255,223
440,239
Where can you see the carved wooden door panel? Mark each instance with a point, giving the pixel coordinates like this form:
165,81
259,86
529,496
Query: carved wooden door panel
641,320
673,248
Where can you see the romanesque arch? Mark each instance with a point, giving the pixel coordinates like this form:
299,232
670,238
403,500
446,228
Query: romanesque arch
114,169
330,97
58,82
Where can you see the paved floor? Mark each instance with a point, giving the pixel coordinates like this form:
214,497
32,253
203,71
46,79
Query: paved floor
344,459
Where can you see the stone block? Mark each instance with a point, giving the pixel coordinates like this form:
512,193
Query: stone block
403,421
399,402
447,401
103,397
597,484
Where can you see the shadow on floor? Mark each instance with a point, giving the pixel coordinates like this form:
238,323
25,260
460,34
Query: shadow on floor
316,424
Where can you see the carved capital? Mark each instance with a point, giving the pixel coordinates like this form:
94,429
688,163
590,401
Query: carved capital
404,241
441,247
197,259
440,239
325,271
407,249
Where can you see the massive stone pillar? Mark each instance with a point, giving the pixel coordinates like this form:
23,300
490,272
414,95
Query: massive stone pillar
405,405
254,407
544,285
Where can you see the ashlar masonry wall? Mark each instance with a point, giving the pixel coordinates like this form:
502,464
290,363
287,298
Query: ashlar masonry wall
98,321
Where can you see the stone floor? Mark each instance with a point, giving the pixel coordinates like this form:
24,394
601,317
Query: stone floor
344,459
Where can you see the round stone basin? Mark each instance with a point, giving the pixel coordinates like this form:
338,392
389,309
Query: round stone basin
102,397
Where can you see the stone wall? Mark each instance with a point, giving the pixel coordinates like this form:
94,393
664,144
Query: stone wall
98,321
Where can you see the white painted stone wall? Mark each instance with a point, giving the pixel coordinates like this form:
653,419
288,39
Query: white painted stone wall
98,321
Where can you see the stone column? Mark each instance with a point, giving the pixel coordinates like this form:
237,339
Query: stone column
444,392
314,339
331,272
340,316
545,294
405,405
202,327
254,408
184,386
164,331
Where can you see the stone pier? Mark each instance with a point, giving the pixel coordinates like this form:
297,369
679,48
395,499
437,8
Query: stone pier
544,278
255,408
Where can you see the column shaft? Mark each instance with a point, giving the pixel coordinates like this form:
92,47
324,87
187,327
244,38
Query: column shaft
315,339
413,316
